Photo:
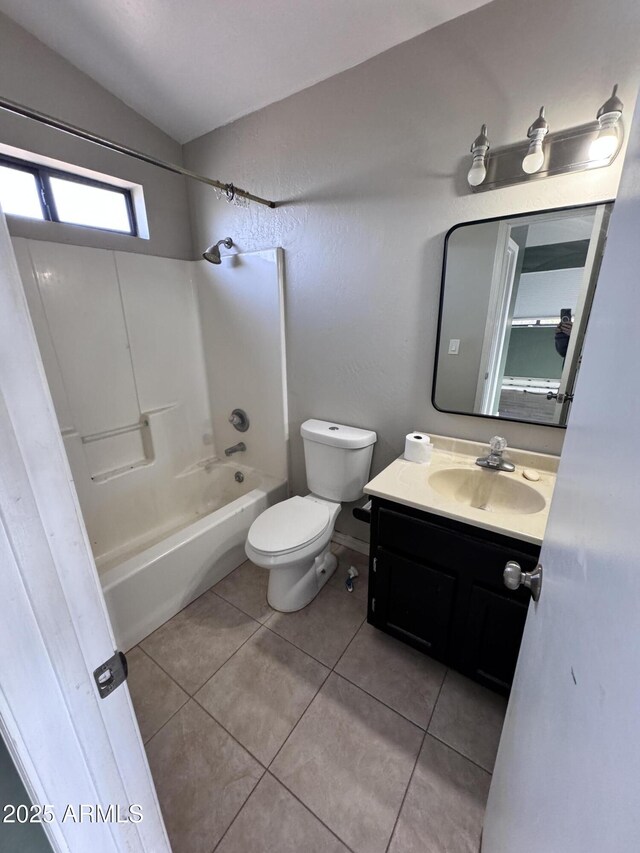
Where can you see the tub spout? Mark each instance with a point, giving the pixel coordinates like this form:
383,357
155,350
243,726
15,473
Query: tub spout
237,448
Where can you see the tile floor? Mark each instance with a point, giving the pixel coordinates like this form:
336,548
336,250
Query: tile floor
276,733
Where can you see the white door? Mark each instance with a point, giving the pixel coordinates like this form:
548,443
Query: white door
72,748
499,319
567,777
583,309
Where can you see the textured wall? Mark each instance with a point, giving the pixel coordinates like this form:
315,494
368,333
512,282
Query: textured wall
471,258
371,163
34,75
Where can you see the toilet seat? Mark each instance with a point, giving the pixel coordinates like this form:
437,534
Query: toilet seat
289,526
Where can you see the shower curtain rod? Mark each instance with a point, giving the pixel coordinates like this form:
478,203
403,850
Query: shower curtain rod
230,190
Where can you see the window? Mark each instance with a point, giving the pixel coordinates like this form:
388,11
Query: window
38,192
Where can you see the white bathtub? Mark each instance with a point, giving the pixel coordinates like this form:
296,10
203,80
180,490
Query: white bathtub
149,580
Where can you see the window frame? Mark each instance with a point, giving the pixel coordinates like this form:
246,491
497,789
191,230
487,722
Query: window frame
42,175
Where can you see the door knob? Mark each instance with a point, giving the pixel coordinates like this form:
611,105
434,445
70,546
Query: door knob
514,577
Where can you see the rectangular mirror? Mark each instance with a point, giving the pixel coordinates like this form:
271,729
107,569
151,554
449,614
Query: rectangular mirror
514,306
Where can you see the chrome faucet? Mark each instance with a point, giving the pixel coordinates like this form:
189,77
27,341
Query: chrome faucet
237,448
494,460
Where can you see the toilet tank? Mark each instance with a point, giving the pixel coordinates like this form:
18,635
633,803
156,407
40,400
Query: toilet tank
337,458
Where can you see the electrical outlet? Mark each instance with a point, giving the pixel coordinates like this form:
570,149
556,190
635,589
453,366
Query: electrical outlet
454,346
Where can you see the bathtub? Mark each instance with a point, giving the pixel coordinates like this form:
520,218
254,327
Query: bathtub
148,580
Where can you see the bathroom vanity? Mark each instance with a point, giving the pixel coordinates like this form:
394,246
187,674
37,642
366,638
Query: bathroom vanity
441,535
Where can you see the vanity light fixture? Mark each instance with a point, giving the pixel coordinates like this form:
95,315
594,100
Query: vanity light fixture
607,141
534,158
478,171
545,154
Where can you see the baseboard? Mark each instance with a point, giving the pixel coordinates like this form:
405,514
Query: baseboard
351,542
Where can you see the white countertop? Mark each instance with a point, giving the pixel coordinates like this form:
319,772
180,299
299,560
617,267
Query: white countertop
408,483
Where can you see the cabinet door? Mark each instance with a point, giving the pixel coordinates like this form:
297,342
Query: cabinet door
412,602
492,636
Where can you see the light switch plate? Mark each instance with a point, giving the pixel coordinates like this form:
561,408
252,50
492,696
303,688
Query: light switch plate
454,346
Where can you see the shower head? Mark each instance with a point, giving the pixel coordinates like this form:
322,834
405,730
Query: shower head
213,252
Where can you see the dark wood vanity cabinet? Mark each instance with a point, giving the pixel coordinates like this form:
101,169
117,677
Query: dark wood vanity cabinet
437,584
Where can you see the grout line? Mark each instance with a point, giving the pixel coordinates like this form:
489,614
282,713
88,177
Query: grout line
233,737
333,668
235,817
304,651
307,808
415,763
461,754
191,695
284,743
146,743
220,595
381,701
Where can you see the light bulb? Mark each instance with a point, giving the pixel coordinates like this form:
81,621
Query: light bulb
477,173
604,145
533,160
608,139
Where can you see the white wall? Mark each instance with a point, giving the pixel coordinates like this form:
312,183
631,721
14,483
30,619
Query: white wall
34,75
470,263
121,344
371,165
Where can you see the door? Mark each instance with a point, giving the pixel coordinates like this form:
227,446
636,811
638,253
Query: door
498,322
413,602
583,310
72,748
567,776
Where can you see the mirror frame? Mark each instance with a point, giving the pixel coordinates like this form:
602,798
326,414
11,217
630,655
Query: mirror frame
441,304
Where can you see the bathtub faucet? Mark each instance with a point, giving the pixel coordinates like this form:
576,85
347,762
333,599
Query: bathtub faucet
237,448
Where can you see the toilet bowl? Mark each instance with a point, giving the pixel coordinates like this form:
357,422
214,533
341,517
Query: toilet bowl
293,538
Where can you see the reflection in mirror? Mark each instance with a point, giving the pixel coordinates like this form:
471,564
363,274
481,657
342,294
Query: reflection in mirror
515,301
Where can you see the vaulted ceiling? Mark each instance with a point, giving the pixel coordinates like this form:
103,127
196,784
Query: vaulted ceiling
192,65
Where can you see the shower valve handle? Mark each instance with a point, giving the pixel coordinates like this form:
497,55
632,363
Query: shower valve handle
239,419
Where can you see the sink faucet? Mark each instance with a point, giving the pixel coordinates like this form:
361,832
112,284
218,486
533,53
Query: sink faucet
237,448
494,460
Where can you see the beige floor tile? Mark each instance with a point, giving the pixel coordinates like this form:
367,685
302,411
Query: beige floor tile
325,627
346,558
246,588
469,718
202,777
272,821
349,760
155,696
199,639
262,691
393,672
444,807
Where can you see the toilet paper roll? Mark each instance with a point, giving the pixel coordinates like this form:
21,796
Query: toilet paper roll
418,447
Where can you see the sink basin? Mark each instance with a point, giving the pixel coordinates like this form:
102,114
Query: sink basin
491,491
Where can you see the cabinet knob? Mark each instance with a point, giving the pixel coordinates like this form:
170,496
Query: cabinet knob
514,577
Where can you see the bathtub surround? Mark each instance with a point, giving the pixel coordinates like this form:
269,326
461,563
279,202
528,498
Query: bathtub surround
124,349
241,303
120,339
371,165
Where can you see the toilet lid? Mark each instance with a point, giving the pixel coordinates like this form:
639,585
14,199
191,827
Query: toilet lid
288,525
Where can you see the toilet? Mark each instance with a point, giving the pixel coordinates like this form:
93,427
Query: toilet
293,538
